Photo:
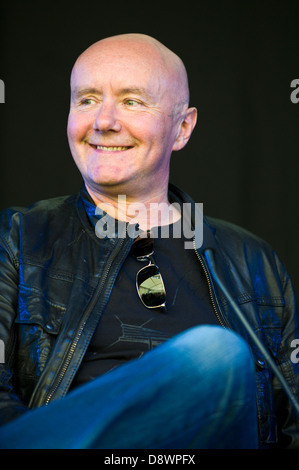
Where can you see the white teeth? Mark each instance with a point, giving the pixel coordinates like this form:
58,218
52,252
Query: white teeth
110,149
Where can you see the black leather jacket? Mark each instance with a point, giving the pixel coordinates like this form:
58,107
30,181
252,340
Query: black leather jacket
56,276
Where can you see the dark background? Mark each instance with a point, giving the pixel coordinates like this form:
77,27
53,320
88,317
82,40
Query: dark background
242,160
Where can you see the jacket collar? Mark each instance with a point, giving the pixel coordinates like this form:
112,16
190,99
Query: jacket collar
89,206
204,233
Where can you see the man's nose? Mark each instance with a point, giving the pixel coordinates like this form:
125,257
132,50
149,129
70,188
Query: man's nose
106,118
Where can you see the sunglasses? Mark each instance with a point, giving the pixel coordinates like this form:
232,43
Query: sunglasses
149,282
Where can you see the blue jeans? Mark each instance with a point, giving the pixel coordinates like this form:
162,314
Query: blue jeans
196,390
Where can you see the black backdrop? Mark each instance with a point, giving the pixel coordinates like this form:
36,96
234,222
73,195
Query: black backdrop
242,160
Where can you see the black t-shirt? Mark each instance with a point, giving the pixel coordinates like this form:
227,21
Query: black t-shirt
128,329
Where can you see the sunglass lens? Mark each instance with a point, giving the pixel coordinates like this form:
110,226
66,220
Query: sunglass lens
151,287
142,247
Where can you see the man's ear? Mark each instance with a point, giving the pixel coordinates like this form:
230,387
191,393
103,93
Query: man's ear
185,129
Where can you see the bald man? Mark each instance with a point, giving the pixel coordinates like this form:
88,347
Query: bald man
129,111
116,336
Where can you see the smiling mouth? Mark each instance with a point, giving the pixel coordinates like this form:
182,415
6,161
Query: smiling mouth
109,149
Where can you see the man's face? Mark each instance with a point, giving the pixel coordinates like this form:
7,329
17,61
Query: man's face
121,126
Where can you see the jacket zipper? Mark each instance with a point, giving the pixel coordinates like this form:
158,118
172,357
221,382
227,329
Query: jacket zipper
209,284
81,327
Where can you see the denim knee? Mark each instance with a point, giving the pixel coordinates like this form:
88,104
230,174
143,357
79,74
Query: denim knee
214,347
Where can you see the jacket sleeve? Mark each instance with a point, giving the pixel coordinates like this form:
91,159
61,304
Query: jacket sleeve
11,405
287,419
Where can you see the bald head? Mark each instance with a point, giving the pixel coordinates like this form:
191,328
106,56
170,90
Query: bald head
152,54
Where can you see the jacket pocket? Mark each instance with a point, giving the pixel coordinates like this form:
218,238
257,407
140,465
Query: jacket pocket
36,309
37,323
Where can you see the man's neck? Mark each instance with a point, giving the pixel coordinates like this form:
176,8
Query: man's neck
151,211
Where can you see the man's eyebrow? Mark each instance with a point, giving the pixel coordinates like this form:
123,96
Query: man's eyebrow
136,91
78,92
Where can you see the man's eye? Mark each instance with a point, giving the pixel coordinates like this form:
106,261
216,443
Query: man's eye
132,103
86,101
